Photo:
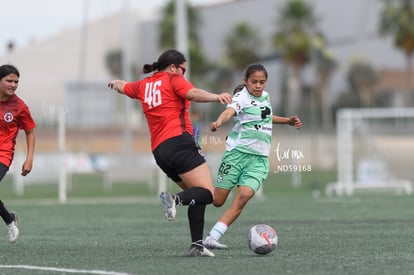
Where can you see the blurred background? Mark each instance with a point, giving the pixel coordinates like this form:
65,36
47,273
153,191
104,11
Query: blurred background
346,68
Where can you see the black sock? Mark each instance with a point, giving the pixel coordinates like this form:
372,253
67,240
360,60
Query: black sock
194,196
196,219
5,215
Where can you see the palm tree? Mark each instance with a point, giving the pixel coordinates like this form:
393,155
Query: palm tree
397,20
241,46
362,78
296,25
199,64
325,65
113,62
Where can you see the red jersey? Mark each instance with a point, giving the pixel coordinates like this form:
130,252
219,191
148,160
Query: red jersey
163,101
14,115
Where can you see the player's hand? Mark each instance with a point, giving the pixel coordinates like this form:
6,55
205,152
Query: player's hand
214,126
224,98
26,168
117,85
295,121
111,85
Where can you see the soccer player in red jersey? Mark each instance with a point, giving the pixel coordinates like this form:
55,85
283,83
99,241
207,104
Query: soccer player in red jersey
14,115
165,98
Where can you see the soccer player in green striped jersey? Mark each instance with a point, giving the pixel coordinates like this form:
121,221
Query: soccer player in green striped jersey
245,163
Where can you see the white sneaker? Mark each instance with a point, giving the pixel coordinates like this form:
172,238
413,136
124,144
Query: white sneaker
13,230
199,250
213,244
169,203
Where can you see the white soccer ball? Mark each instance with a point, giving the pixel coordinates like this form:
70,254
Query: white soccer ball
262,239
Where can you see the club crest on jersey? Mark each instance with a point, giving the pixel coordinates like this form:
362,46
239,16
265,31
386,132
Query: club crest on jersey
238,106
8,117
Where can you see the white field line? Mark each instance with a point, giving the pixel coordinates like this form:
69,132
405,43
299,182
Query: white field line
87,201
63,270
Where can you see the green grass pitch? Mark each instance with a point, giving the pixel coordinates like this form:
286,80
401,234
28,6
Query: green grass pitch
98,232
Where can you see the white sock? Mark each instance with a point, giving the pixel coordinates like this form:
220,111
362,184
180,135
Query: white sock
217,231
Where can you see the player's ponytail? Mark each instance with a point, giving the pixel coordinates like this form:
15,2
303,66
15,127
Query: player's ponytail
238,88
150,67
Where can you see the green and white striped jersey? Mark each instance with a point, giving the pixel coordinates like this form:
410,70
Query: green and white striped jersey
252,131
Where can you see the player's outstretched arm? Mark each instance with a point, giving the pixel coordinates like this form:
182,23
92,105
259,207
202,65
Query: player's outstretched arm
292,121
200,95
222,118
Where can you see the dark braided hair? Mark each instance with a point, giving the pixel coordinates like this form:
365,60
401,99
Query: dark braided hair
252,68
238,88
164,60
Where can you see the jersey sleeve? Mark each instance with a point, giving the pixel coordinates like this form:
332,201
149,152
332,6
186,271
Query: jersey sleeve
180,85
131,88
26,120
236,103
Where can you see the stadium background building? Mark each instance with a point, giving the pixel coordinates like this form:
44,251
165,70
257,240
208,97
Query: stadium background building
68,69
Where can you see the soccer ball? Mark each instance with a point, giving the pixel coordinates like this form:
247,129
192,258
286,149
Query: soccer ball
262,239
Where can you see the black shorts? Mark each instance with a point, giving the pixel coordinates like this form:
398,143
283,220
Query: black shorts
3,170
178,155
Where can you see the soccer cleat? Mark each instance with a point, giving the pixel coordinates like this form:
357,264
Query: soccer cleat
197,250
13,230
169,202
213,244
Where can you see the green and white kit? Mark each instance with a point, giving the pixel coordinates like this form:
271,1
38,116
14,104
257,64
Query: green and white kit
248,143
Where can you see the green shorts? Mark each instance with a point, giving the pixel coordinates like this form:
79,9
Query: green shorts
241,169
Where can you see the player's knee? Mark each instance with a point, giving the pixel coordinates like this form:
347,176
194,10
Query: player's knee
217,202
242,199
205,195
210,197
